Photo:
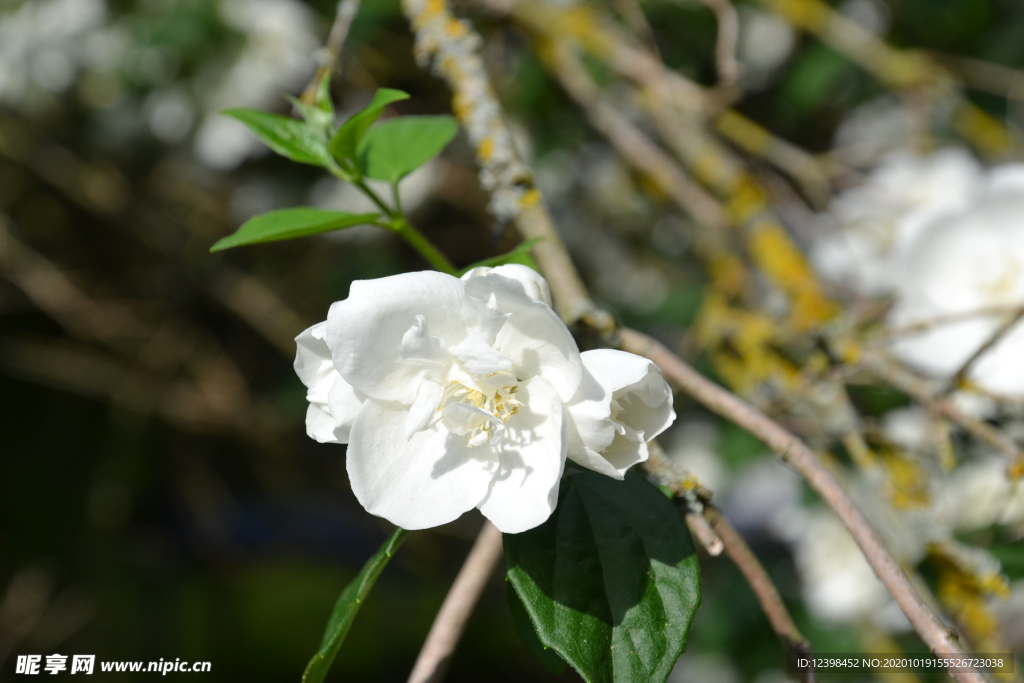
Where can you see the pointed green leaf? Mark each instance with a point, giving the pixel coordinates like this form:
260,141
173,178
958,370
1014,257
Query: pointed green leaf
548,658
610,581
520,254
345,143
286,224
294,139
347,606
397,147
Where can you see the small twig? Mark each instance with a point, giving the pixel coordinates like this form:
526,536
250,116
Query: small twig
797,646
725,45
940,320
434,658
938,636
982,75
961,374
922,391
329,57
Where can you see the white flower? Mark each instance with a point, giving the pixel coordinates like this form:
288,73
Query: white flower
888,211
961,262
452,394
622,403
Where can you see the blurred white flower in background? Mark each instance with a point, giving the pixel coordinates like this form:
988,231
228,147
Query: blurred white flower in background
967,259
278,55
43,45
877,219
693,449
766,41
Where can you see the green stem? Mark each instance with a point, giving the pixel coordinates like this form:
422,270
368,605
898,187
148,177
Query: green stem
424,246
399,223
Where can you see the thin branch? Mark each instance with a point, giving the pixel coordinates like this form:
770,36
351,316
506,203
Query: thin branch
434,658
725,45
753,571
923,391
961,375
329,57
939,637
453,46
951,318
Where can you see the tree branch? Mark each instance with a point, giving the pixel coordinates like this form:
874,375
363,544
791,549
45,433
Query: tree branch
939,637
434,658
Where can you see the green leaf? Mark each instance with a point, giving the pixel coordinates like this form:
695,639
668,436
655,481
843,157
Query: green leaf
286,224
521,255
548,658
397,147
321,114
345,143
289,137
610,581
345,610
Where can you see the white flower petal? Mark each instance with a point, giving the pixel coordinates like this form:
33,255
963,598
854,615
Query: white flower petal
417,344
483,316
477,356
637,386
462,418
365,331
590,410
320,424
524,490
535,285
313,362
424,482
428,398
344,402
536,340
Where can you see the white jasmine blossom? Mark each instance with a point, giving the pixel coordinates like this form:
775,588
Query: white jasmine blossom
452,394
966,261
876,219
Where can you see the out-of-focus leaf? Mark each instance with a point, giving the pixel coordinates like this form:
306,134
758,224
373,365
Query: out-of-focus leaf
396,148
345,143
345,610
548,658
520,255
611,580
289,137
286,224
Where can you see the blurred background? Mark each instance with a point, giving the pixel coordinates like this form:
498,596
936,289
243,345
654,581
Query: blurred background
158,494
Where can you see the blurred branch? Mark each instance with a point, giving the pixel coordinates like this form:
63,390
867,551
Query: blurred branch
767,594
960,376
898,69
258,305
979,74
329,57
925,393
716,534
450,622
453,48
792,450
725,45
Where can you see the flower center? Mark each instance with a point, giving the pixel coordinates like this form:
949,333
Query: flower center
481,415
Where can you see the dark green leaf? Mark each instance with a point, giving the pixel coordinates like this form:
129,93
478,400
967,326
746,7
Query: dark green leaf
399,146
610,581
548,658
286,224
289,137
345,143
345,610
520,255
